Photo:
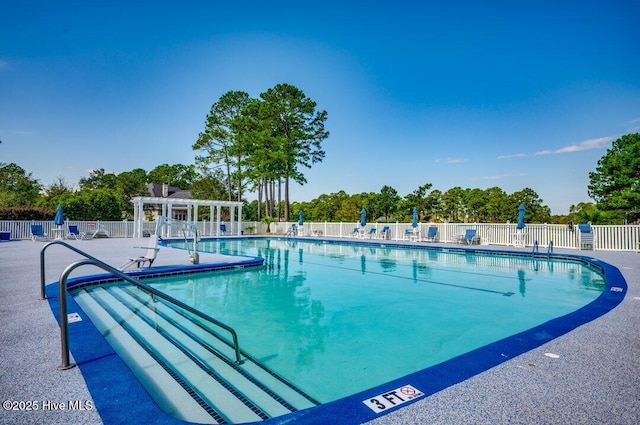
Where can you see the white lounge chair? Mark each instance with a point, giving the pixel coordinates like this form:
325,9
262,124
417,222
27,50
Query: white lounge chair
293,230
97,233
148,257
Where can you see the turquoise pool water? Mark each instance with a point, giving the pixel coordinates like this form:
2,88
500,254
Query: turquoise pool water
335,319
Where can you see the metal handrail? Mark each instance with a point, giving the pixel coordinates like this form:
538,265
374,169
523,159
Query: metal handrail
42,265
64,336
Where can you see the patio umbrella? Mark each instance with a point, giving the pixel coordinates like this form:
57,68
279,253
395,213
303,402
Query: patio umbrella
300,218
521,211
59,219
414,222
363,217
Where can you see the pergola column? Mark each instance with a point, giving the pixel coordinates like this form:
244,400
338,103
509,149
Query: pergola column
232,217
170,215
195,214
217,220
211,220
137,222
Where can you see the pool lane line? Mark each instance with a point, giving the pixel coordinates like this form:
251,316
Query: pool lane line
506,294
435,268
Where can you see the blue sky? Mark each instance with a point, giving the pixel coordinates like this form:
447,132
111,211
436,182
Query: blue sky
470,94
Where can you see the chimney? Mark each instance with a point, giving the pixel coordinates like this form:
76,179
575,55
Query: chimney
165,190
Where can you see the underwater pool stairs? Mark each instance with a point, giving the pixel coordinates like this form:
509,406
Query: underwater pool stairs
188,365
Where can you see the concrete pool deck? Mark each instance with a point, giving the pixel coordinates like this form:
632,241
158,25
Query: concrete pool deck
594,379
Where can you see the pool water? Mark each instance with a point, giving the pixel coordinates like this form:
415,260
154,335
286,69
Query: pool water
335,319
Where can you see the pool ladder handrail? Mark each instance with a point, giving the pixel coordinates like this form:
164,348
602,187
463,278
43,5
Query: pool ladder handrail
90,260
536,249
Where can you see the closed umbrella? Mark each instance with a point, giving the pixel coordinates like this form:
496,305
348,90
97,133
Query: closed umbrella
414,221
300,218
363,217
521,211
59,219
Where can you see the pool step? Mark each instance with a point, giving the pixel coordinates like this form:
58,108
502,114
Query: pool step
225,354
189,370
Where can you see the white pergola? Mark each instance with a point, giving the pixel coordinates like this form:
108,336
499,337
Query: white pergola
192,206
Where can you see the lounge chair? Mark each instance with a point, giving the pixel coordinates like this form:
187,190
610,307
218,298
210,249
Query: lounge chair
293,230
355,233
470,237
410,235
371,233
37,232
223,229
432,234
384,234
148,257
75,233
585,236
94,233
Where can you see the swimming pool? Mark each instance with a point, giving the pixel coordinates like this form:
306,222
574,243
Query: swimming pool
338,319
342,319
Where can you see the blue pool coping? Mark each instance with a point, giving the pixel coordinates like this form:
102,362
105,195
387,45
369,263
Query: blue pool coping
119,396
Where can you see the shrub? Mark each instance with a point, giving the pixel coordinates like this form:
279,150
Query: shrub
26,213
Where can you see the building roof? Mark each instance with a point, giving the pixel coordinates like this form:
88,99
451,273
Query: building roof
182,194
156,191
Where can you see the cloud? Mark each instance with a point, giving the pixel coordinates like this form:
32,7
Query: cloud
22,133
634,123
517,155
598,143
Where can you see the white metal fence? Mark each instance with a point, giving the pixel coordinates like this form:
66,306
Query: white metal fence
614,238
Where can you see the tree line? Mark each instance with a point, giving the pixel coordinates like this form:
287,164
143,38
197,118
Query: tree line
259,145
107,196
100,196
455,205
